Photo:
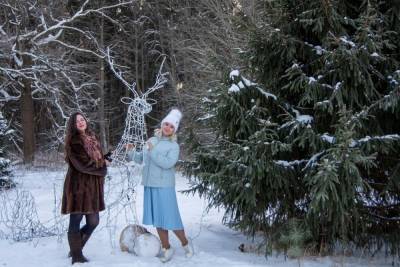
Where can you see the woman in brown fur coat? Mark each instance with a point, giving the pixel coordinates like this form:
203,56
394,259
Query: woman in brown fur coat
83,187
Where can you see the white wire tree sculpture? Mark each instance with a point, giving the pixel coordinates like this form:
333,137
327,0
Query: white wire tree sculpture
138,107
19,215
120,191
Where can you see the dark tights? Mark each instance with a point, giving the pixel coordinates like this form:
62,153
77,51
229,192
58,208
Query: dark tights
92,220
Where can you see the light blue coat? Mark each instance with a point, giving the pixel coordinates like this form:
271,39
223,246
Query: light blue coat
159,162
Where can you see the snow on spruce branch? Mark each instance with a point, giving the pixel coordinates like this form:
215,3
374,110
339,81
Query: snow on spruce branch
345,40
290,164
328,138
317,48
313,160
295,122
390,100
239,82
383,138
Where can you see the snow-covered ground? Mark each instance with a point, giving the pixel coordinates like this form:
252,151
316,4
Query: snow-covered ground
214,243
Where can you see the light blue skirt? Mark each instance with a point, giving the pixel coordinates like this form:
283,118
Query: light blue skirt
160,208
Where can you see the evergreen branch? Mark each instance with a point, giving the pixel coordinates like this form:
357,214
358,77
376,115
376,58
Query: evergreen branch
379,103
389,137
313,160
397,219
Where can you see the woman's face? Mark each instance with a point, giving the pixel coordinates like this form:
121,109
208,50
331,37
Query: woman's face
81,123
167,129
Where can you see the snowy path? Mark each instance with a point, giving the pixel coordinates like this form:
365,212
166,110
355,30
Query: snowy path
215,244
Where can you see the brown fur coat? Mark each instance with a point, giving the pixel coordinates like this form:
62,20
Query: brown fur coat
84,183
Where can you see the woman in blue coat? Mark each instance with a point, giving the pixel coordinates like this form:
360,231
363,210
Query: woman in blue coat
160,207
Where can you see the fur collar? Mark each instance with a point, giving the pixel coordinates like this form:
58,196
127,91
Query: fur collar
76,139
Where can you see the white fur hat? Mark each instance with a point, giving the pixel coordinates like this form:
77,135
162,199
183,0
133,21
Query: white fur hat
173,117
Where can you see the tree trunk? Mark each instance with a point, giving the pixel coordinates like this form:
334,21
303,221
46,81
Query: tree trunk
102,122
27,111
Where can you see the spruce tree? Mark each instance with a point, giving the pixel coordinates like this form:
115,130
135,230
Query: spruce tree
315,140
6,181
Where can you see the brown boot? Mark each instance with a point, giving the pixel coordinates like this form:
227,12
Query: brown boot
75,246
85,238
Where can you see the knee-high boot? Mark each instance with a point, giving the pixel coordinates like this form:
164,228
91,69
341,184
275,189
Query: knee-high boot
85,237
75,245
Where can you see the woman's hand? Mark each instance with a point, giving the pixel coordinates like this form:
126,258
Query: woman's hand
129,146
107,162
108,156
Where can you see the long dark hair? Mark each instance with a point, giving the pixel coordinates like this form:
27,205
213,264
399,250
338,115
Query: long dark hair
72,132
